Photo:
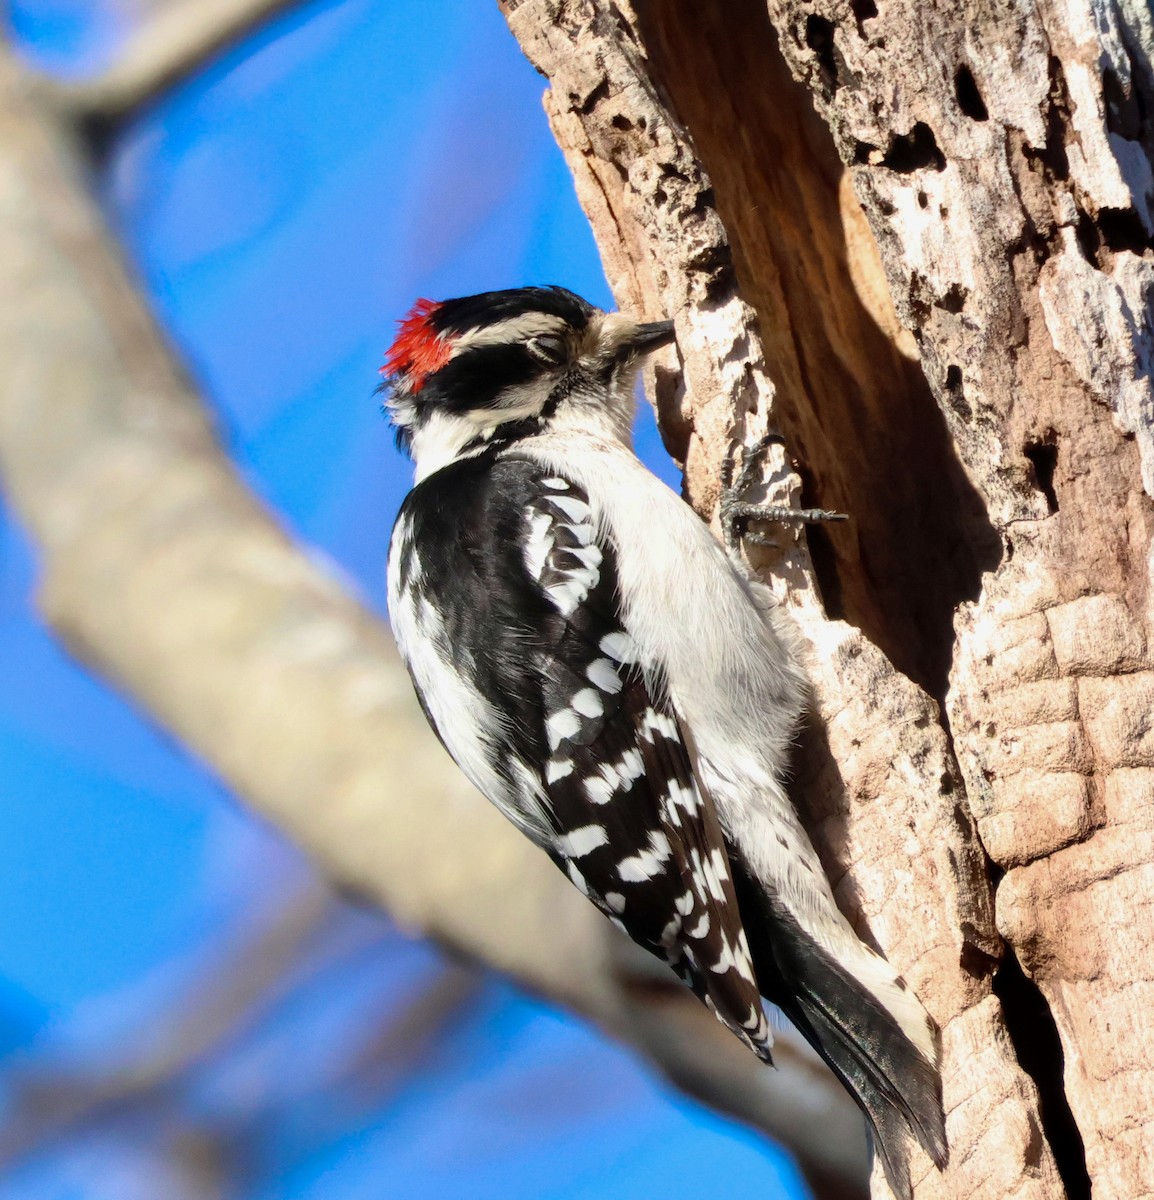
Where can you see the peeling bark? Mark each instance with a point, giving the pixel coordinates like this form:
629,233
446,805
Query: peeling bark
917,241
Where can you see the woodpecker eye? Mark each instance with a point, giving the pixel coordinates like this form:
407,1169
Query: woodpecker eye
550,348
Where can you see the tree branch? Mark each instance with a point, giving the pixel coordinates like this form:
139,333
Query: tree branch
175,39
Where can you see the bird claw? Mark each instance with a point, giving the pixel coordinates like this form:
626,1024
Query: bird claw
736,513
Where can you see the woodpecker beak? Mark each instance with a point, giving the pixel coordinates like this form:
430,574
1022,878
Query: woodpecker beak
645,338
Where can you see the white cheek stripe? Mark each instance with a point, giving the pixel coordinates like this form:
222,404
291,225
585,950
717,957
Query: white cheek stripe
513,329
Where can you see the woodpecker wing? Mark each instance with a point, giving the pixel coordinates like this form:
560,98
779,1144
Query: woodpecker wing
633,828
572,737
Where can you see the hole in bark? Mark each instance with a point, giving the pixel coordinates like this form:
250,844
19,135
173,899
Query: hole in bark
954,299
915,151
819,38
973,960
955,394
599,93
863,10
1122,229
969,97
1122,111
862,152
1043,456
1088,238
1038,1047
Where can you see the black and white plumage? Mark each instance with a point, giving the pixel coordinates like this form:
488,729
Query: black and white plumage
621,688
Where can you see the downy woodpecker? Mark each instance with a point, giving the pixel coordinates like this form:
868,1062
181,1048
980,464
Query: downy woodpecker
621,688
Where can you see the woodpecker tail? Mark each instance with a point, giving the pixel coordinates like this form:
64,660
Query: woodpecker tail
875,1036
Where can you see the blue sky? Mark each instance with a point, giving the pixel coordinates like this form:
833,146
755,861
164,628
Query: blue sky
283,210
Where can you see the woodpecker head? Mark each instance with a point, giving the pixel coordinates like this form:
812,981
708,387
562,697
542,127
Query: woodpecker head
464,374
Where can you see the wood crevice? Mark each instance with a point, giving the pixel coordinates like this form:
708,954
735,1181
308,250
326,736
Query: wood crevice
835,368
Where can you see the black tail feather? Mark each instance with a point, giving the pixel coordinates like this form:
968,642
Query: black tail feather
893,1083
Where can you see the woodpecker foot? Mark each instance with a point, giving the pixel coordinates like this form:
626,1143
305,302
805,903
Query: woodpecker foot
737,513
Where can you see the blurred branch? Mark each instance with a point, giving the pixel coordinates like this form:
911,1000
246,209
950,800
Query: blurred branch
165,574
173,40
221,1002
255,972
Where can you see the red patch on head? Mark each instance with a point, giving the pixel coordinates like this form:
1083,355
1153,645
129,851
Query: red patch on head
418,350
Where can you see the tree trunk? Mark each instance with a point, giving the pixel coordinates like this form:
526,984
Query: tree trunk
916,241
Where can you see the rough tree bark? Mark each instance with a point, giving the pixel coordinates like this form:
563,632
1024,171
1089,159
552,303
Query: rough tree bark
917,241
